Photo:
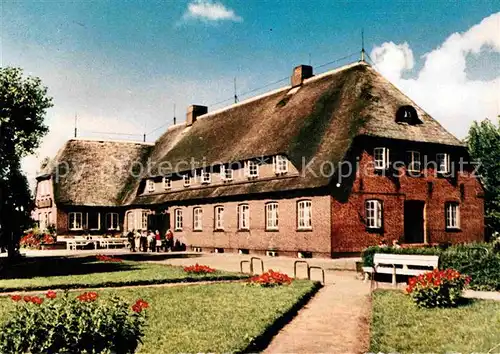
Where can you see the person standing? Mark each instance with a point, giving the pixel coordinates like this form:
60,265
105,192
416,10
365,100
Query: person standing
169,240
157,241
151,239
131,240
144,241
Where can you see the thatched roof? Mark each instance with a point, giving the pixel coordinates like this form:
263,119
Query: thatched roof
315,122
94,173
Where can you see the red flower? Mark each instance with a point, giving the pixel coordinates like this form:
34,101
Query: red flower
140,305
16,298
104,258
199,269
88,296
27,298
271,278
51,294
36,300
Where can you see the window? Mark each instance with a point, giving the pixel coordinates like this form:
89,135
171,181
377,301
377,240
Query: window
272,216
443,163
178,219
381,157
243,217
219,218
407,114
75,221
187,180
167,183
144,220
44,188
205,177
130,220
373,214
49,219
150,186
197,217
280,164
252,170
93,220
226,173
304,215
112,221
452,211
42,221
414,162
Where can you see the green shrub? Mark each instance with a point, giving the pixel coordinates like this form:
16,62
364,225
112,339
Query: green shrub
66,324
438,288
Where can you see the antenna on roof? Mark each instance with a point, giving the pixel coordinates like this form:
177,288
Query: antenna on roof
175,119
235,95
362,44
75,123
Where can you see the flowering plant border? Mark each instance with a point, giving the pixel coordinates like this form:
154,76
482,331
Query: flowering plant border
270,279
199,269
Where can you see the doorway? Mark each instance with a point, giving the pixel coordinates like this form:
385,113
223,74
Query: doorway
414,221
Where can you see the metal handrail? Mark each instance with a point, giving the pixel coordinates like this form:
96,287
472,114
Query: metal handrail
317,267
241,266
295,268
257,259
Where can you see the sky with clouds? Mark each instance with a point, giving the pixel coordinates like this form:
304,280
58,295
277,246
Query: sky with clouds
122,66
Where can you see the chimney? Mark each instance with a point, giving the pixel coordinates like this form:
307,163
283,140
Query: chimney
194,112
300,73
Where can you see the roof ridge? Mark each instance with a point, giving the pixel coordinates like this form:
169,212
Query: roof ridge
112,141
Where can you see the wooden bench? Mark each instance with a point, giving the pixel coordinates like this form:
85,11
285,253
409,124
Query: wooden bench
400,264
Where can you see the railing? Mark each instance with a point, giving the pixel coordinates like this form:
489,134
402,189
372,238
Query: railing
308,270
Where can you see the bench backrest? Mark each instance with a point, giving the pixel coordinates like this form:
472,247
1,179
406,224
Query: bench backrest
406,259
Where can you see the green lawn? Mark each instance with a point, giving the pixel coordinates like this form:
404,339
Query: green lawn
87,272
399,326
207,318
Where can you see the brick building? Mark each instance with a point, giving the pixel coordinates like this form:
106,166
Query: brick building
329,165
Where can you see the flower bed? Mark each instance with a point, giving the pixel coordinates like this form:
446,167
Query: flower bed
34,239
69,324
271,278
438,288
199,269
104,258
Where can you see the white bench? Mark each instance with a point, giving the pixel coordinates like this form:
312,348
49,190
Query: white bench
400,264
112,242
74,244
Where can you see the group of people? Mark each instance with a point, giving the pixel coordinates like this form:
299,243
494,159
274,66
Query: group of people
144,241
395,244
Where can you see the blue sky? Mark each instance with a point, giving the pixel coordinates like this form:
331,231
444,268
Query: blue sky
121,65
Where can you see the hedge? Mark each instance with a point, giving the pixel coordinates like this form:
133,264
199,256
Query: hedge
478,260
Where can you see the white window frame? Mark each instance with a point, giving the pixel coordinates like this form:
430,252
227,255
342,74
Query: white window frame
272,216
150,186
304,215
144,219
226,173
178,220
252,169
115,219
414,159
452,214
187,180
243,217
167,183
374,213
205,177
381,158
98,221
219,217
197,219
72,225
443,163
130,216
280,164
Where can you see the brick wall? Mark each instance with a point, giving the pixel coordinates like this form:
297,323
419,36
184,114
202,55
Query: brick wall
287,241
349,233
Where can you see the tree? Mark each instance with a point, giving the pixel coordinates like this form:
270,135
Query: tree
23,106
484,146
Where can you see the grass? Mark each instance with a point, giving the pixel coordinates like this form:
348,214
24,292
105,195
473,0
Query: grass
399,326
85,272
208,318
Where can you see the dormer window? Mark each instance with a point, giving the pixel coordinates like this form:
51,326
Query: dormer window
381,158
443,163
408,115
187,180
252,169
167,183
226,173
280,164
205,177
150,186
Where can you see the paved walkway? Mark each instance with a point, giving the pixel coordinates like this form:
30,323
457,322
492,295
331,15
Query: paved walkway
336,320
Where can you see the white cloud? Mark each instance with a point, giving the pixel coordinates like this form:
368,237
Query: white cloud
442,87
206,10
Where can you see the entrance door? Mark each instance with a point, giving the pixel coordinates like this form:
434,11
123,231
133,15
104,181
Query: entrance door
414,221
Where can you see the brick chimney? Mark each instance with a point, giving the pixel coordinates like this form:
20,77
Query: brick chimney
193,112
300,73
